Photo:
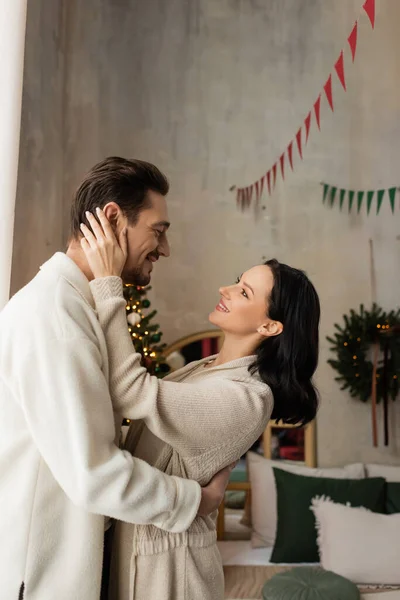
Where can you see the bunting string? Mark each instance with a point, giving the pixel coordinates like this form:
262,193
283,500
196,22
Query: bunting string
244,195
356,200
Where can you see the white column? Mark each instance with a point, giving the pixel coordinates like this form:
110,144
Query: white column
12,44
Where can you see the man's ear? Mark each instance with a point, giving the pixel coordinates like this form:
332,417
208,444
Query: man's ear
114,215
270,329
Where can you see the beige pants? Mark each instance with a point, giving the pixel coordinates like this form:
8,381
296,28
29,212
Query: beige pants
183,573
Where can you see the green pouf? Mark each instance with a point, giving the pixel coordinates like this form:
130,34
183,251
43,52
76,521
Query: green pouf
307,583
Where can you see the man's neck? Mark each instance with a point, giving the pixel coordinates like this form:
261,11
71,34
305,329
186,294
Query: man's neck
75,253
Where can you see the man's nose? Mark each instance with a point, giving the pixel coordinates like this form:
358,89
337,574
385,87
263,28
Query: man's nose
164,248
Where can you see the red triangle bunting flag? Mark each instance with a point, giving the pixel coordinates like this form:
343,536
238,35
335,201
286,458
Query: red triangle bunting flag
290,154
244,199
339,66
249,195
298,140
257,186
328,91
261,185
352,39
308,125
268,176
282,163
369,7
317,109
274,176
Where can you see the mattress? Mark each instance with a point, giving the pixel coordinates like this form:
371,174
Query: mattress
242,553
246,570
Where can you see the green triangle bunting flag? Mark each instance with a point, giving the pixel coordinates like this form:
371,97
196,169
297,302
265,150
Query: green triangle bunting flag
332,195
360,196
366,198
342,195
370,197
351,198
381,193
326,188
392,197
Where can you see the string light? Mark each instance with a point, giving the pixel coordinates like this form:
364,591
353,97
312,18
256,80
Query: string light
141,333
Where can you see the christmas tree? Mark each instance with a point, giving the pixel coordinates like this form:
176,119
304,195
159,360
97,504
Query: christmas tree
146,335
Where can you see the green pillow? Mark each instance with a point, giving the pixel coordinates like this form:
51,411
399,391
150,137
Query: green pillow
296,536
239,473
305,583
235,499
392,497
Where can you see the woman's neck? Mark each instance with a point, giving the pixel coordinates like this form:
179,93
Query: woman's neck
233,350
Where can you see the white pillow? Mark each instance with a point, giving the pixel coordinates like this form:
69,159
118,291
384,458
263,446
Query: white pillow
263,492
389,472
357,543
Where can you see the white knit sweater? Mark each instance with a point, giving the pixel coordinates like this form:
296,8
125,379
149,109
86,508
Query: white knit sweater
60,470
192,423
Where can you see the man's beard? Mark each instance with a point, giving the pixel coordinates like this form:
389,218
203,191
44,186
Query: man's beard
136,277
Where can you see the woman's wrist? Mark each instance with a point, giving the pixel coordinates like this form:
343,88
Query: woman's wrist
110,286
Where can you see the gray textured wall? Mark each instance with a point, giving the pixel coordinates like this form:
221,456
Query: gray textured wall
38,218
212,91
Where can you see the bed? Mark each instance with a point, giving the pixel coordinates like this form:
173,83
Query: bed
246,570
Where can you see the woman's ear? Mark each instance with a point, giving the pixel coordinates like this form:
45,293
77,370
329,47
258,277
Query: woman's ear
270,329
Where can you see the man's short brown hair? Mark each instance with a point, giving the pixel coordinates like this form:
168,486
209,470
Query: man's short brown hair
123,181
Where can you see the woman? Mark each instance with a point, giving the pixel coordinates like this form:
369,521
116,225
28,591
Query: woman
205,416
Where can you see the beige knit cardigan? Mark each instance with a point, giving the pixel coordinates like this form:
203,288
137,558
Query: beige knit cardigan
190,424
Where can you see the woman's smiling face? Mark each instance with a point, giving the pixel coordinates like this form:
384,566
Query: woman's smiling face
243,307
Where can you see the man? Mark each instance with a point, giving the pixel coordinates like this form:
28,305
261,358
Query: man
60,469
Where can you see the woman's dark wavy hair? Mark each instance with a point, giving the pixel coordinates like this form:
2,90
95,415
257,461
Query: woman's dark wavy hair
287,362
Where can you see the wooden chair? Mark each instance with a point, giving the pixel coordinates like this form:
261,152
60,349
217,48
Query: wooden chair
195,337
309,432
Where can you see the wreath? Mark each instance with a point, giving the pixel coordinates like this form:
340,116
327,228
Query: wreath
368,337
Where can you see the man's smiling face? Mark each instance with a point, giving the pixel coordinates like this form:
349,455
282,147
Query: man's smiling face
147,240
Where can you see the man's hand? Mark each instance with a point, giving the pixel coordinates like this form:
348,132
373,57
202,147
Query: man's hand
213,494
